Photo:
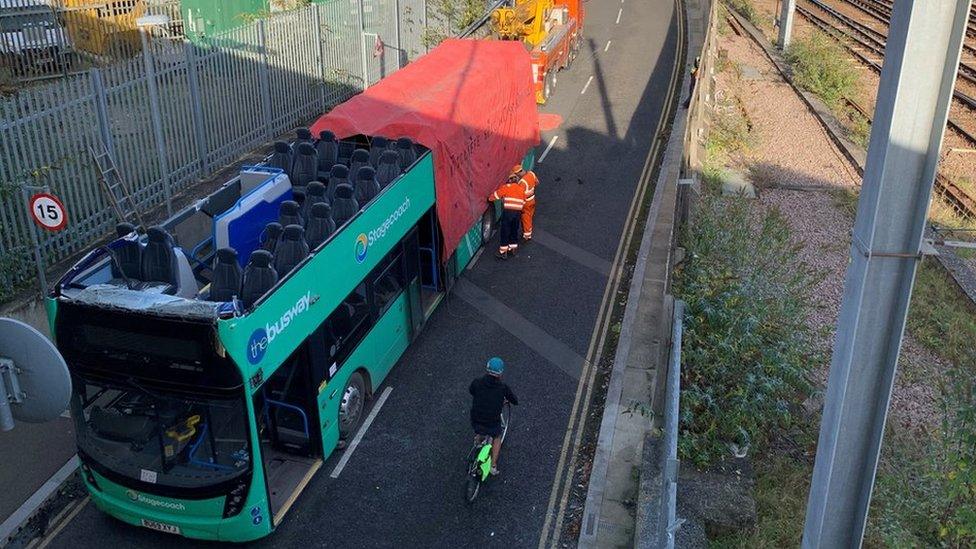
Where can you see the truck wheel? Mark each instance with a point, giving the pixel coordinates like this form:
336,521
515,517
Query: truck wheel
547,86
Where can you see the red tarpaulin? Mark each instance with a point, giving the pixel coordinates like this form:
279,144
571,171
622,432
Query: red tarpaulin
471,102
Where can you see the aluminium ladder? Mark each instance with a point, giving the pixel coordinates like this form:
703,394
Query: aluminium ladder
113,186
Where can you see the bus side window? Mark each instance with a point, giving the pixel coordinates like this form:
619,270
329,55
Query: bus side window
347,325
388,284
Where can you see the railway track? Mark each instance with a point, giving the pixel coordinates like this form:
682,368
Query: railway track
867,45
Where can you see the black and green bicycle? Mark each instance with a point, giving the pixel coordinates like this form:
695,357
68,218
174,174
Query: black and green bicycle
479,458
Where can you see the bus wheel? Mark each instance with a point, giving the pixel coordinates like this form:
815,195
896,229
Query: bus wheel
352,405
487,225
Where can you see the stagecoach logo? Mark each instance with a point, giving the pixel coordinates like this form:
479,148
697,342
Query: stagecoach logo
139,498
261,338
365,240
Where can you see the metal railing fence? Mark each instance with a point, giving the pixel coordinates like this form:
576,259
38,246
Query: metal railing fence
176,112
668,522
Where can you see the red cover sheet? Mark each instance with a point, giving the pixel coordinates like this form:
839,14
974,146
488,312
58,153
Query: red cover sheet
471,102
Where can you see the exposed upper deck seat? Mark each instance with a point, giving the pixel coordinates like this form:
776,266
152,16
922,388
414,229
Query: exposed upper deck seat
306,166
291,250
360,158
320,224
165,269
346,149
227,276
302,135
327,152
388,168
259,277
314,193
290,213
377,147
270,236
408,154
338,176
241,226
281,157
344,206
366,186
128,253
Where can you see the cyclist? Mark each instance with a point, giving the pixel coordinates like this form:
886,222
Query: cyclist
489,394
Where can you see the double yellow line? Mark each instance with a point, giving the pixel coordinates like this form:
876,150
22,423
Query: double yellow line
566,468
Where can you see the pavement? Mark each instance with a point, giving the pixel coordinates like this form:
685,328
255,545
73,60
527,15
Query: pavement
403,485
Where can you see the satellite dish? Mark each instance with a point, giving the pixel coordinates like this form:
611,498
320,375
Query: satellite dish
34,382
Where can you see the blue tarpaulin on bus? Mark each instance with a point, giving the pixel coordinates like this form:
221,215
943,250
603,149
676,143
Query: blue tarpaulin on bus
471,102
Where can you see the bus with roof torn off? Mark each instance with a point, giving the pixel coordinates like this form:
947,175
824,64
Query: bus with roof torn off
219,358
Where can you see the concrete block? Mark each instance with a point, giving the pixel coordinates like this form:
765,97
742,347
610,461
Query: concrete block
736,184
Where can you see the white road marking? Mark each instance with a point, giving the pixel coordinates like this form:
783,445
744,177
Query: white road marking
548,148
588,80
60,526
619,13
608,45
34,502
362,431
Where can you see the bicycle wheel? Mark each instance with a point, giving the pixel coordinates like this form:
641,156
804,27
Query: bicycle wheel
506,419
473,484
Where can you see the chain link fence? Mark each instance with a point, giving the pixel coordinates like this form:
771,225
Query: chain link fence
176,111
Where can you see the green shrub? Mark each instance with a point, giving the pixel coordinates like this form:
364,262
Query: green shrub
745,9
821,66
747,349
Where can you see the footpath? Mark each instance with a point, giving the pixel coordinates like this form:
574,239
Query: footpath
621,508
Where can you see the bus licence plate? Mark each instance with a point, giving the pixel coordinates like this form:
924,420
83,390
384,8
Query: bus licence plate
168,528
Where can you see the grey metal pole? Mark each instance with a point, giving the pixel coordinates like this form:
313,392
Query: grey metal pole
320,59
36,241
362,45
157,121
786,14
6,415
921,59
196,107
399,45
265,80
101,110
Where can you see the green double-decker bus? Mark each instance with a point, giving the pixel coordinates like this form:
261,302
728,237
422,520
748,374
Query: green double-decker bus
206,416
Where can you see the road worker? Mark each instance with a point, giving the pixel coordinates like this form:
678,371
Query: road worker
512,195
528,180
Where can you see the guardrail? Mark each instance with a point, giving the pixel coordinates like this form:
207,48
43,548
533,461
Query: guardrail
668,522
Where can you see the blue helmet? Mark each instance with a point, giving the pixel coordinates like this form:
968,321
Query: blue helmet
496,366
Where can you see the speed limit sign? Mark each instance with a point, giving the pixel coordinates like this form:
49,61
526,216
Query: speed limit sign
47,211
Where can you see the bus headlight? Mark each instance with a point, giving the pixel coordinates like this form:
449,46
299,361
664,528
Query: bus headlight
235,500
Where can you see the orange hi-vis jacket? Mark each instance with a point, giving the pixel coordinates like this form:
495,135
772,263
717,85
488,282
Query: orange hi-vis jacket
529,182
512,196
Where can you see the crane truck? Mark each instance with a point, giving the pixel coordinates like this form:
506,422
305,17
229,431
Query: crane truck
552,32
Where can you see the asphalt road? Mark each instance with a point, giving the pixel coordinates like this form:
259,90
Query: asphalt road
403,485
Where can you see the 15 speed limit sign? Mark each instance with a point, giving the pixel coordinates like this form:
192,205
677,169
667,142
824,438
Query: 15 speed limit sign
48,212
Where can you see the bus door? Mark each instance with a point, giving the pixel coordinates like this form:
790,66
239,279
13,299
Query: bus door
288,426
431,272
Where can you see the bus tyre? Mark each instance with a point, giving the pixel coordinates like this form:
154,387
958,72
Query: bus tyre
487,225
352,405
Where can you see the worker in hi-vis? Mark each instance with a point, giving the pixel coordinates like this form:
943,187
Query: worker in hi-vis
512,195
528,180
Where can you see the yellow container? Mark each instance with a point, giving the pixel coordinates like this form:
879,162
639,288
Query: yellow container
105,28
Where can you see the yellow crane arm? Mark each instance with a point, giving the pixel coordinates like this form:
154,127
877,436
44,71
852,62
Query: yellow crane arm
525,21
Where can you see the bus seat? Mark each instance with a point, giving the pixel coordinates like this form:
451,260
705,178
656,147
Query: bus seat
302,135
320,224
282,157
298,195
241,226
292,249
270,236
408,155
186,281
158,265
326,152
128,253
290,213
388,168
377,147
366,186
259,277
306,166
344,206
346,149
314,193
227,276
360,158
339,175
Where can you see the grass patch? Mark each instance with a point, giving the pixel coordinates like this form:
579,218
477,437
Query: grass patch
746,9
821,66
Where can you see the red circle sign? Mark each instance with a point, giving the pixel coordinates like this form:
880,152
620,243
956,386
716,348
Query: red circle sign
47,211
